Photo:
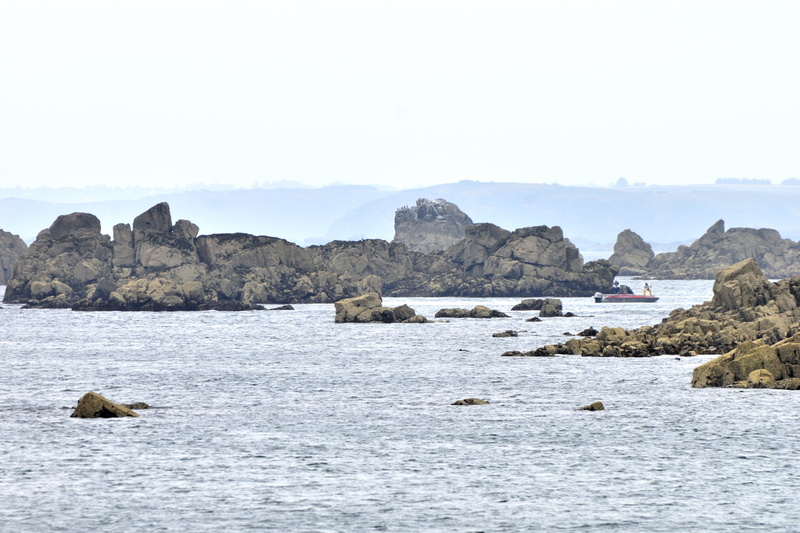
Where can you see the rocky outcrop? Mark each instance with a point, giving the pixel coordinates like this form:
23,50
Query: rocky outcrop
479,311
493,262
369,308
754,365
63,264
12,247
540,352
158,265
717,249
530,304
746,307
430,226
551,308
92,405
631,254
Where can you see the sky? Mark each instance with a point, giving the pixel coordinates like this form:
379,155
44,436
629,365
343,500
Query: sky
397,93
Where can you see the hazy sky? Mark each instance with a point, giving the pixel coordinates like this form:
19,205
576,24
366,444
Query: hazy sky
398,93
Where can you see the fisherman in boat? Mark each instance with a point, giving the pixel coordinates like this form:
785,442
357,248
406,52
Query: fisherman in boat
647,291
616,287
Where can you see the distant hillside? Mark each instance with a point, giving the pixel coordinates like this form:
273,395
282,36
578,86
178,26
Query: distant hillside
293,214
590,217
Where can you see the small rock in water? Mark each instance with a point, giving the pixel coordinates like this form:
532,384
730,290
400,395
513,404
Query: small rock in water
286,307
92,405
506,333
534,319
596,406
538,352
470,401
136,405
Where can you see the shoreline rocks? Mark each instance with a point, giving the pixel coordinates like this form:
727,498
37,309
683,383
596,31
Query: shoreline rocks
745,307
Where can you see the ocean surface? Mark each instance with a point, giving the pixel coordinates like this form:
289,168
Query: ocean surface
285,421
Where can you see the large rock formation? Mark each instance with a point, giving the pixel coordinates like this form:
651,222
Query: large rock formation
631,254
430,226
63,264
157,265
12,247
717,249
491,261
745,307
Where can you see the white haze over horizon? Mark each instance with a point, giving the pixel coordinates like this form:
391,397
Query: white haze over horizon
183,94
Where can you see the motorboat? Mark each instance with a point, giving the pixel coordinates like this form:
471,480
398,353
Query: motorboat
623,298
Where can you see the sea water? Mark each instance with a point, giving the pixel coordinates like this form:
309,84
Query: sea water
286,421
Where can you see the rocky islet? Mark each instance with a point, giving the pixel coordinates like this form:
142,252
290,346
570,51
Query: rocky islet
157,265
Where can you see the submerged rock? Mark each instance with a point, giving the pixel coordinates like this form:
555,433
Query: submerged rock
539,352
136,405
506,333
470,401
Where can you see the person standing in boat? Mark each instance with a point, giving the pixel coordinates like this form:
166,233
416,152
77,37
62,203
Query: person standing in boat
647,291
616,287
